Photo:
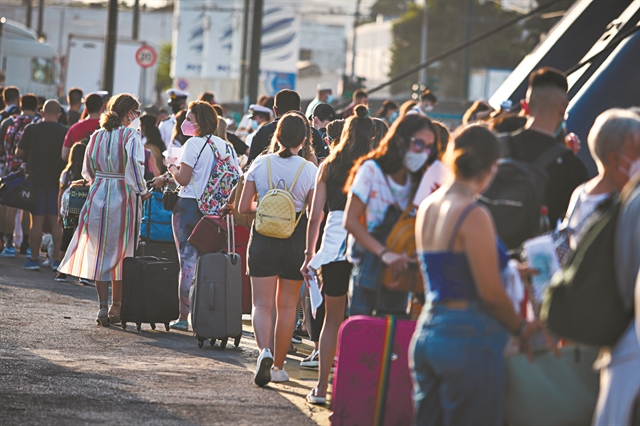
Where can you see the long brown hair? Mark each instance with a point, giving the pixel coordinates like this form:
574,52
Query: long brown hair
292,130
390,153
355,142
117,109
76,161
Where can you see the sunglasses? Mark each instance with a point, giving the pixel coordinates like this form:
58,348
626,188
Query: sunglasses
421,144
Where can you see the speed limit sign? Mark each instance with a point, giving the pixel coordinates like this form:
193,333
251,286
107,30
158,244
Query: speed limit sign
146,56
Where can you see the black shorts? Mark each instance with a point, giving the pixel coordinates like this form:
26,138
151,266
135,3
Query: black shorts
268,257
335,278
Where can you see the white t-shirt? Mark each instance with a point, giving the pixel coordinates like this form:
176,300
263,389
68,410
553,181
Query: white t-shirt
435,176
581,206
378,192
283,169
202,167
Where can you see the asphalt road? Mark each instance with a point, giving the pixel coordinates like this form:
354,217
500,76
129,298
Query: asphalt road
58,367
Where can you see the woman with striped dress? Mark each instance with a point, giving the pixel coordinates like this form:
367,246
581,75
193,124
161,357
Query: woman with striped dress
114,171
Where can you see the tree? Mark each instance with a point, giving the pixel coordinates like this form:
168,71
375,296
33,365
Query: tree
163,71
447,28
389,7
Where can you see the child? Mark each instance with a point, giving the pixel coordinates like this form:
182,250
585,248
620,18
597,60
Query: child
71,173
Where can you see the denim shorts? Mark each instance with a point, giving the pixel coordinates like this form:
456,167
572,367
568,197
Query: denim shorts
268,257
46,202
457,366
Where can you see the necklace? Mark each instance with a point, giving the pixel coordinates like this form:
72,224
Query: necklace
463,189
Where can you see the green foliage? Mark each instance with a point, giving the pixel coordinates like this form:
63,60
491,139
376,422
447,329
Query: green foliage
389,7
447,26
163,78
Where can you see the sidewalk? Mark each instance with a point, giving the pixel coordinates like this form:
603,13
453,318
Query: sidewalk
58,367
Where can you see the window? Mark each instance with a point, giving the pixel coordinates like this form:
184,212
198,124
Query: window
42,70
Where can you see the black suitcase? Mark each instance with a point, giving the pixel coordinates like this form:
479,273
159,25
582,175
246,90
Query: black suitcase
149,289
160,249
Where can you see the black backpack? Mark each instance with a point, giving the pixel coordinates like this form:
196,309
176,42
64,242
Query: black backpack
583,302
517,195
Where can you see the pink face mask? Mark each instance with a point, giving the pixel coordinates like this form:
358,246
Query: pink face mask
187,128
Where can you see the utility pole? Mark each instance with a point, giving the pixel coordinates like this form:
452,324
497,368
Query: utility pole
467,52
136,19
356,21
423,45
256,50
245,49
40,15
29,12
110,48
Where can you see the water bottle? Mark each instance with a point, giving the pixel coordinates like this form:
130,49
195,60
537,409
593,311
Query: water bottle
545,224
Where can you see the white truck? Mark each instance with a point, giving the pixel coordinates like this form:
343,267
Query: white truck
84,66
25,62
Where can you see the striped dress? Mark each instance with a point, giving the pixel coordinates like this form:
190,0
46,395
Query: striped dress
114,164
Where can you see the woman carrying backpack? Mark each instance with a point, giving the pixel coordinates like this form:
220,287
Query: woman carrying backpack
194,172
275,257
380,187
331,260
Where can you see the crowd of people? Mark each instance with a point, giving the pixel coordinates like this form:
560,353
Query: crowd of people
352,178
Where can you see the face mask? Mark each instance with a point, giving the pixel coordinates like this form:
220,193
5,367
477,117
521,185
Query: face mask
254,124
428,108
187,128
562,128
634,167
394,116
135,123
329,99
413,161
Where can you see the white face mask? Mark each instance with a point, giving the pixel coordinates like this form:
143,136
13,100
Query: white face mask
634,167
428,108
135,123
413,161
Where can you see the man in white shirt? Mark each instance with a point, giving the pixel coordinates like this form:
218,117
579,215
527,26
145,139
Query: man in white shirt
177,102
324,95
260,116
427,102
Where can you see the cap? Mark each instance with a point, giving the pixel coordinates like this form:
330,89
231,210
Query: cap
260,108
323,87
324,112
177,93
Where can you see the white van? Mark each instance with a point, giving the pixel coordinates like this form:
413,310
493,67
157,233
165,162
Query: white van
25,62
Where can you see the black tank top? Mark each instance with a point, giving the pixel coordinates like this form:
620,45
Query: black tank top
336,199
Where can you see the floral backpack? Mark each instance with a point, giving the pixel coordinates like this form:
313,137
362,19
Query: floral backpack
222,180
12,138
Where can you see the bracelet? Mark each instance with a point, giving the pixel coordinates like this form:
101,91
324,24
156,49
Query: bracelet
520,330
383,252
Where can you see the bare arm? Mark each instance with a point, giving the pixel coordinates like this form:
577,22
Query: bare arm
313,226
247,206
181,174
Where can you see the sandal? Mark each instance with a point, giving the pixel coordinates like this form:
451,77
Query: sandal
316,400
182,325
114,313
103,315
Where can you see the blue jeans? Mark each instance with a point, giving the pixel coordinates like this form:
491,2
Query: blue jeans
457,366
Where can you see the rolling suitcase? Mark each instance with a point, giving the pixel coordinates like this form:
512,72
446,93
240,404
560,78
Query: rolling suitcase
216,296
149,290
372,383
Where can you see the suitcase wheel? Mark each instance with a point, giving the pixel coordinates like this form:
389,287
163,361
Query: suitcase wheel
153,325
124,325
138,326
236,341
213,342
166,326
223,343
200,342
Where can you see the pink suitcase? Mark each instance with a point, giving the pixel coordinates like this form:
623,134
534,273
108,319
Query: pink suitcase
361,354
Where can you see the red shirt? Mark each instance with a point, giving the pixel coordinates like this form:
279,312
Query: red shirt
81,130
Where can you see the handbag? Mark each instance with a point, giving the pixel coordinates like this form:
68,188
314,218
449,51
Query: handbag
552,391
583,302
169,198
209,235
245,220
17,191
402,239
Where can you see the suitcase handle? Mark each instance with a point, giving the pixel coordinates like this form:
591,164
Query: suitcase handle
231,235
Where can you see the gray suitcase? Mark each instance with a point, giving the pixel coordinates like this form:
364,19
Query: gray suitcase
216,295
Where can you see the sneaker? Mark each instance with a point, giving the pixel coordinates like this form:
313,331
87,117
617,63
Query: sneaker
8,252
60,277
296,339
278,375
311,361
263,368
55,265
180,325
32,265
85,281
46,263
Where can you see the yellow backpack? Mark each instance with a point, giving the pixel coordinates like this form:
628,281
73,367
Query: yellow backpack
276,214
